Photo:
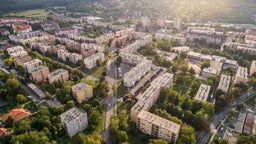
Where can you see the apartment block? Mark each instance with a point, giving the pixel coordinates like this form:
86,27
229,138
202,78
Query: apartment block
230,64
180,49
209,34
241,75
74,121
137,44
21,60
130,58
136,73
224,83
150,96
63,54
14,49
157,126
19,54
21,28
82,91
32,65
58,75
253,68
91,61
74,57
87,46
180,40
88,52
39,74
203,93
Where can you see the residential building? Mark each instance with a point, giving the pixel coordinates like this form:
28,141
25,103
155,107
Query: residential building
145,21
150,96
21,60
88,52
58,75
253,68
241,75
82,91
180,49
224,83
240,121
63,54
249,122
181,41
203,93
137,44
21,28
74,57
250,37
4,32
3,131
91,61
19,54
16,114
50,26
131,58
161,22
74,121
206,72
177,23
168,56
37,90
39,74
14,49
230,64
209,34
86,46
136,73
157,126
32,65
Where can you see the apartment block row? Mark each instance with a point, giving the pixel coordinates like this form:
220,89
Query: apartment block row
91,61
209,34
152,124
137,44
203,93
136,73
182,41
64,55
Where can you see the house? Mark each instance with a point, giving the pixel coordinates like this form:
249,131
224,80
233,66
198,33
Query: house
16,114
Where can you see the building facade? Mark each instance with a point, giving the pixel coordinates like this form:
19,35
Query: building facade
82,91
58,75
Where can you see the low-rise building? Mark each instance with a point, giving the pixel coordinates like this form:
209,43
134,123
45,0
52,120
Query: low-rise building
249,122
16,114
224,83
58,75
157,126
241,75
136,73
82,91
37,90
21,28
74,57
181,40
240,122
19,61
14,49
91,61
32,65
74,120
39,74
253,68
203,93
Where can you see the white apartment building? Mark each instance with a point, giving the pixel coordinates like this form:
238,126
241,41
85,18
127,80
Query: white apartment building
131,58
181,40
203,93
74,57
14,49
74,120
137,44
253,68
32,65
180,49
241,75
85,46
224,83
58,75
157,126
63,54
19,54
91,61
209,34
150,96
136,73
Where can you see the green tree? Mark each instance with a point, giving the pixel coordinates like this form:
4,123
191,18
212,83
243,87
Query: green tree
122,136
184,68
187,134
205,64
20,98
157,141
192,71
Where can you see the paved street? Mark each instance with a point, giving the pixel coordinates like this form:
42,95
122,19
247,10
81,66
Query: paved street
216,119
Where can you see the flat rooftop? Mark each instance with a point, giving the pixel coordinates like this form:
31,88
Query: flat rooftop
80,86
203,93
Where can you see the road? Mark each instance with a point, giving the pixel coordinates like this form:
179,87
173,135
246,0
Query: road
217,118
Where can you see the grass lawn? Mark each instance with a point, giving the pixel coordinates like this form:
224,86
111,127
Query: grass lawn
121,90
95,72
36,13
180,89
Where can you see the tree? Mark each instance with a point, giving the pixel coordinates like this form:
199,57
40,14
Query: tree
184,68
157,141
205,64
246,139
122,136
94,116
175,67
192,71
252,82
187,134
70,103
9,122
21,98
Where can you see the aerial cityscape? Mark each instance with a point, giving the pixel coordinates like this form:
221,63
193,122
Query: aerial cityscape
127,72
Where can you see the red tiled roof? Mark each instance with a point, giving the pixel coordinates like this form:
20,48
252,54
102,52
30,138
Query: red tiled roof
16,114
3,131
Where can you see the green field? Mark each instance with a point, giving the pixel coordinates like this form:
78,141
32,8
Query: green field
37,13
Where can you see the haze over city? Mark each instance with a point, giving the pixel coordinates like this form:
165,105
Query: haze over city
127,72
